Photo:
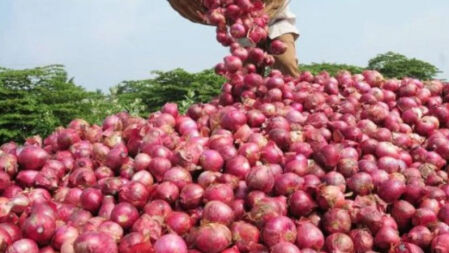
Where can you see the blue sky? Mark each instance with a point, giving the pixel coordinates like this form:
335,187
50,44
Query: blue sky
102,42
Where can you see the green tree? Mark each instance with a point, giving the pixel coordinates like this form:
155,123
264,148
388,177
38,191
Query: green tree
331,68
394,65
36,101
177,86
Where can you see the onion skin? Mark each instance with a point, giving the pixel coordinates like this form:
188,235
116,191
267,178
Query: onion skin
124,214
337,220
170,243
421,236
178,222
362,239
440,243
285,247
217,212
93,242
279,229
339,242
64,234
91,199
135,242
23,246
386,237
301,203
309,236
244,235
260,178
32,158
213,237
39,227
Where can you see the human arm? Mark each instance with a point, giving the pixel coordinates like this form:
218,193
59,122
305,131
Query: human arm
192,10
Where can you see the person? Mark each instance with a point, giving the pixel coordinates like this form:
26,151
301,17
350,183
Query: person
282,26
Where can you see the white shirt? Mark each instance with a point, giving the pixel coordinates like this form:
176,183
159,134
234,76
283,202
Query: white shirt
284,22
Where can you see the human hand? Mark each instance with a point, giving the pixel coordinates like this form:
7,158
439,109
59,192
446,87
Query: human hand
193,10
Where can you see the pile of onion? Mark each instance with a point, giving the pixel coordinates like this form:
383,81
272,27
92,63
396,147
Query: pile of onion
345,163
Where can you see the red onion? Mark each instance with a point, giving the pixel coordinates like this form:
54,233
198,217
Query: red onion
124,214
94,242
211,160
424,216
217,212
112,229
328,155
158,166
238,166
135,242
8,164
27,178
220,192
362,239
330,196
361,183
12,230
179,176
244,235
167,191
299,165
23,246
144,177
279,229
191,195
402,212
64,234
309,236
149,226
39,227
337,220
5,239
142,161
386,237
134,193
178,222
440,243
339,242
285,247
91,199
170,243
301,204
420,235
213,237
260,178
32,158
391,190
79,217
158,207
287,183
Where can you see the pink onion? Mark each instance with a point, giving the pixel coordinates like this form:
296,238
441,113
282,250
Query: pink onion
309,236
32,158
93,242
339,242
39,227
213,237
279,229
23,246
170,243
124,214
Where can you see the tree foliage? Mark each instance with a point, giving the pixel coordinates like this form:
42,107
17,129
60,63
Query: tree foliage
394,65
177,86
331,68
36,101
